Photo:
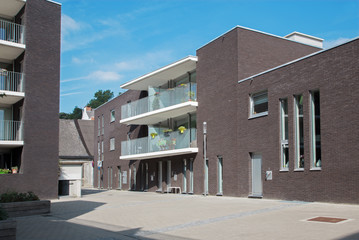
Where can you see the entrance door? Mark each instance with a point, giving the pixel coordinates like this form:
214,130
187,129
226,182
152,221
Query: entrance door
257,175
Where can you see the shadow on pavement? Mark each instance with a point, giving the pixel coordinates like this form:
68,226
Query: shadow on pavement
354,236
88,191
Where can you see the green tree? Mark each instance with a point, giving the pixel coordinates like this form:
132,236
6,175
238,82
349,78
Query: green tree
76,114
100,98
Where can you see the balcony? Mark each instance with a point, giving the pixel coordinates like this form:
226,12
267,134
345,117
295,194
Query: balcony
162,105
165,144
11,87
11,133
12,40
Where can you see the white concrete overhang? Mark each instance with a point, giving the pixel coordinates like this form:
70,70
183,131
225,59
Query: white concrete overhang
10,97
10,50
162,114
10,8
11,144
162,75
159,154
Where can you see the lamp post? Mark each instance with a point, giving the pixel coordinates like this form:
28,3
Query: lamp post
204,158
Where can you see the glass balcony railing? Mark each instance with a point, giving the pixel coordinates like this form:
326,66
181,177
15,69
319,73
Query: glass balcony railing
11,130
11,81
12,32
184,93
160,142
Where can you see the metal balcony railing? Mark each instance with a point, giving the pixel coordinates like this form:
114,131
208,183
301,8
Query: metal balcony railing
161,142
169,97
11,81
12,32
11,130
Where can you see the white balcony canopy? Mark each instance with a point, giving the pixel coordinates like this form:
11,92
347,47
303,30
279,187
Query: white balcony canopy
162,75
10,8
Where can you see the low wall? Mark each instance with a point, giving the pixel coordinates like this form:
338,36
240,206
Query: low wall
8,229
20,209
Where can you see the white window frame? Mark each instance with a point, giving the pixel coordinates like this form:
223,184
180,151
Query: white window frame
283,140
112,144
112,115
313,151
297,133
252,114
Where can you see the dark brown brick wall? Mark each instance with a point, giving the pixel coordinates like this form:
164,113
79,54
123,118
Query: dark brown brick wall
335,74
221,63
41,104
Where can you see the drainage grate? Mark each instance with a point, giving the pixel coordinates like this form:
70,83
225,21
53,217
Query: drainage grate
327,219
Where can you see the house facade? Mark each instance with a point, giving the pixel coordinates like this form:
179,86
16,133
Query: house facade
29,89
231,122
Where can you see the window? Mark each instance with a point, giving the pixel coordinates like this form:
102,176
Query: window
184,188
284,134
98,126
259,104
191,175
112,115
299,132
112,144
206,178
220,175
102,151
315,130
98,152
103,125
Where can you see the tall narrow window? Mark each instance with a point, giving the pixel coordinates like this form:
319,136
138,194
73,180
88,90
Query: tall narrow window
315,130
98,151
191,175
159,184
184,189
134,178
102,157
284,134
299,131
220,175
98,126
206,178
112,144
103,125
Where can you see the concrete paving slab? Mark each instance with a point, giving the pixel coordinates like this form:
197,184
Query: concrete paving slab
125,215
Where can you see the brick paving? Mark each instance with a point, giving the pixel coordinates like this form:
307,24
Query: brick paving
112,215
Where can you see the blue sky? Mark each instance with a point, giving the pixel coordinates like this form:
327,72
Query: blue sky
109,42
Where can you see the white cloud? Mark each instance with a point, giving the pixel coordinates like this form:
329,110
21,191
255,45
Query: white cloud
105,76
68,24
147,61
68,94
82,60
332,43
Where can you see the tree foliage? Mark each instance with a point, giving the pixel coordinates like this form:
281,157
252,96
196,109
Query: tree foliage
76,114
100,98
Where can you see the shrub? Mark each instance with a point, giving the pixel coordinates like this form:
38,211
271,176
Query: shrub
17,197
3,214
5,171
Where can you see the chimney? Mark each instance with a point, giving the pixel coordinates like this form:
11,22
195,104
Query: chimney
306,39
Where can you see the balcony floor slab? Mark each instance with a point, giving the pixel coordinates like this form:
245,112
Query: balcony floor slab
159,154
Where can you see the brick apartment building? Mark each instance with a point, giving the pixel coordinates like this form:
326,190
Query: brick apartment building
29,88
279,115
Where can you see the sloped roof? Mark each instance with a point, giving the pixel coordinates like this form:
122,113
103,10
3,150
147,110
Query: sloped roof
87,131
71,143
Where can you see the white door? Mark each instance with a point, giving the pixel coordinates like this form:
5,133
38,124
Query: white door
257,175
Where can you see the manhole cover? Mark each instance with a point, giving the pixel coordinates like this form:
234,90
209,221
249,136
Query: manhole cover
327,219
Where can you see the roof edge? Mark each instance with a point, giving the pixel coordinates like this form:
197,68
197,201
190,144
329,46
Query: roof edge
258,31
296,60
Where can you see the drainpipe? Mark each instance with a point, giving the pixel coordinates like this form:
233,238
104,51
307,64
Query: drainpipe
204,157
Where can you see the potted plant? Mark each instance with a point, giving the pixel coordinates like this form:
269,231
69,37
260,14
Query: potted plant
14,169
154,134
167,132
5,171
182,129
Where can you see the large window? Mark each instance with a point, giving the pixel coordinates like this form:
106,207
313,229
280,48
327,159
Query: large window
112,144
112,115
259,104
299,132
284,134
315,130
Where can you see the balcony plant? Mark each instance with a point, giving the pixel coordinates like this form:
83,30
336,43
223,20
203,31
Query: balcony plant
14,169
154,134
182,129
167,131
191,95
162,144
5,171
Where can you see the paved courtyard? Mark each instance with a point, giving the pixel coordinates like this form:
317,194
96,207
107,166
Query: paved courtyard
112,215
